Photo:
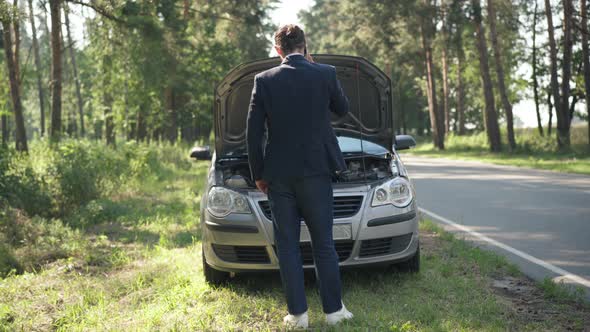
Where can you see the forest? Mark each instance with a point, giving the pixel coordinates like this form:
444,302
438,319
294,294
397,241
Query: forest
459,66
146,71
141,71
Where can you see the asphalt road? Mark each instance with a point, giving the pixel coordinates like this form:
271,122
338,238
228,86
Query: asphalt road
539,219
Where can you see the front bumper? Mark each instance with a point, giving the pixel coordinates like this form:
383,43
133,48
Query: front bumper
374,235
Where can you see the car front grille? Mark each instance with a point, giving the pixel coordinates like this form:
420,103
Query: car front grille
344,206
242,254
385,246
343,249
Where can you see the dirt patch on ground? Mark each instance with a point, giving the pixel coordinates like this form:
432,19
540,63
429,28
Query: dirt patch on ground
529,303
524,299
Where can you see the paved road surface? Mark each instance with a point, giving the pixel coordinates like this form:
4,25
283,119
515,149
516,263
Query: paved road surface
539,213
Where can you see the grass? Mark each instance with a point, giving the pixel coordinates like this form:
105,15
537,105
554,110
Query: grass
143,272
532,151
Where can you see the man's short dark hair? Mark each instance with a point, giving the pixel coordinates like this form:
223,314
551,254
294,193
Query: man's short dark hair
290,37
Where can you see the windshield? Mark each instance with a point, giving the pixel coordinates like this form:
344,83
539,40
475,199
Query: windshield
348,145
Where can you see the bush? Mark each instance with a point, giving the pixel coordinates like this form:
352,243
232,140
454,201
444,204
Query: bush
97,212
56,181
19,185
51,240
31,242
48,195
8,262
528,142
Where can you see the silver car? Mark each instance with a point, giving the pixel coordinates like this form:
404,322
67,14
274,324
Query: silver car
375,211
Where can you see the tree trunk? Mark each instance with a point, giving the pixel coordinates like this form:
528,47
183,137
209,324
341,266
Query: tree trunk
435,118
127,131
586,59
501,78
445,78
186,11
534,74
172,128
490,115
46,30
74,70
563,117
16,42
445,70
141,129
550,108
21,136
56,69
38,69
107,98
4,124
460,92
553,59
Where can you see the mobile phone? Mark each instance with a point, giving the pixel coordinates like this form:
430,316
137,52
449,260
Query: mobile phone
305,51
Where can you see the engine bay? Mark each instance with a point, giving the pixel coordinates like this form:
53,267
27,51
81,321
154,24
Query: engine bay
236,173
367,168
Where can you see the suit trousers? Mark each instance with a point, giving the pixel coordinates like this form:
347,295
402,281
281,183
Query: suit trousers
310,198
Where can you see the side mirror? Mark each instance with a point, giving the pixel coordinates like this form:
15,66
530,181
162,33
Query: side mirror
201,153
404,142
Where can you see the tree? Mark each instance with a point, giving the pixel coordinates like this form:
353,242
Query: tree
490,115
586,59
534,69
56,69
107,99
561,101
427,30
74,69
500,72
38,69
15,93
563,115
550,110
456,27
445,67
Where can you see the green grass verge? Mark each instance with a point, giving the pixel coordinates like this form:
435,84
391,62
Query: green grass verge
147,275
532,151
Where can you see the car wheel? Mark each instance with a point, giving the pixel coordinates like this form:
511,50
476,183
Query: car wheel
413,264
213,276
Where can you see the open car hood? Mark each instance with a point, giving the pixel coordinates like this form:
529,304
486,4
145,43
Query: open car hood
368,90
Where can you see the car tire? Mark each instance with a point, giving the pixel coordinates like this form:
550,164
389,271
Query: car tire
412,265
212,276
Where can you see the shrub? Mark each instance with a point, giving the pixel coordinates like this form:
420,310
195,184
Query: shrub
19,185
50,194
8,262
51,240
97,212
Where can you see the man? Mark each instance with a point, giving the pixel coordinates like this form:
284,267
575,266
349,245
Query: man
292,104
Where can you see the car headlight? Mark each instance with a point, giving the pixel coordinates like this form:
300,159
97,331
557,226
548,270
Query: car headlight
222,201
397,192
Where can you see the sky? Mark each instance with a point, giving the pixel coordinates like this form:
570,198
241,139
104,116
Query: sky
286,12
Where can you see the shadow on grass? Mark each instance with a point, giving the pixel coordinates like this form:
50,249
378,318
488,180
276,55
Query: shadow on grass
144,220
362,279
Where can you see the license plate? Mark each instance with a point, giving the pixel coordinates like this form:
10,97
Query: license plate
339,231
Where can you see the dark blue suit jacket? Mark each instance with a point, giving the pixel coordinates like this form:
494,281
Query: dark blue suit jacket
292,103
